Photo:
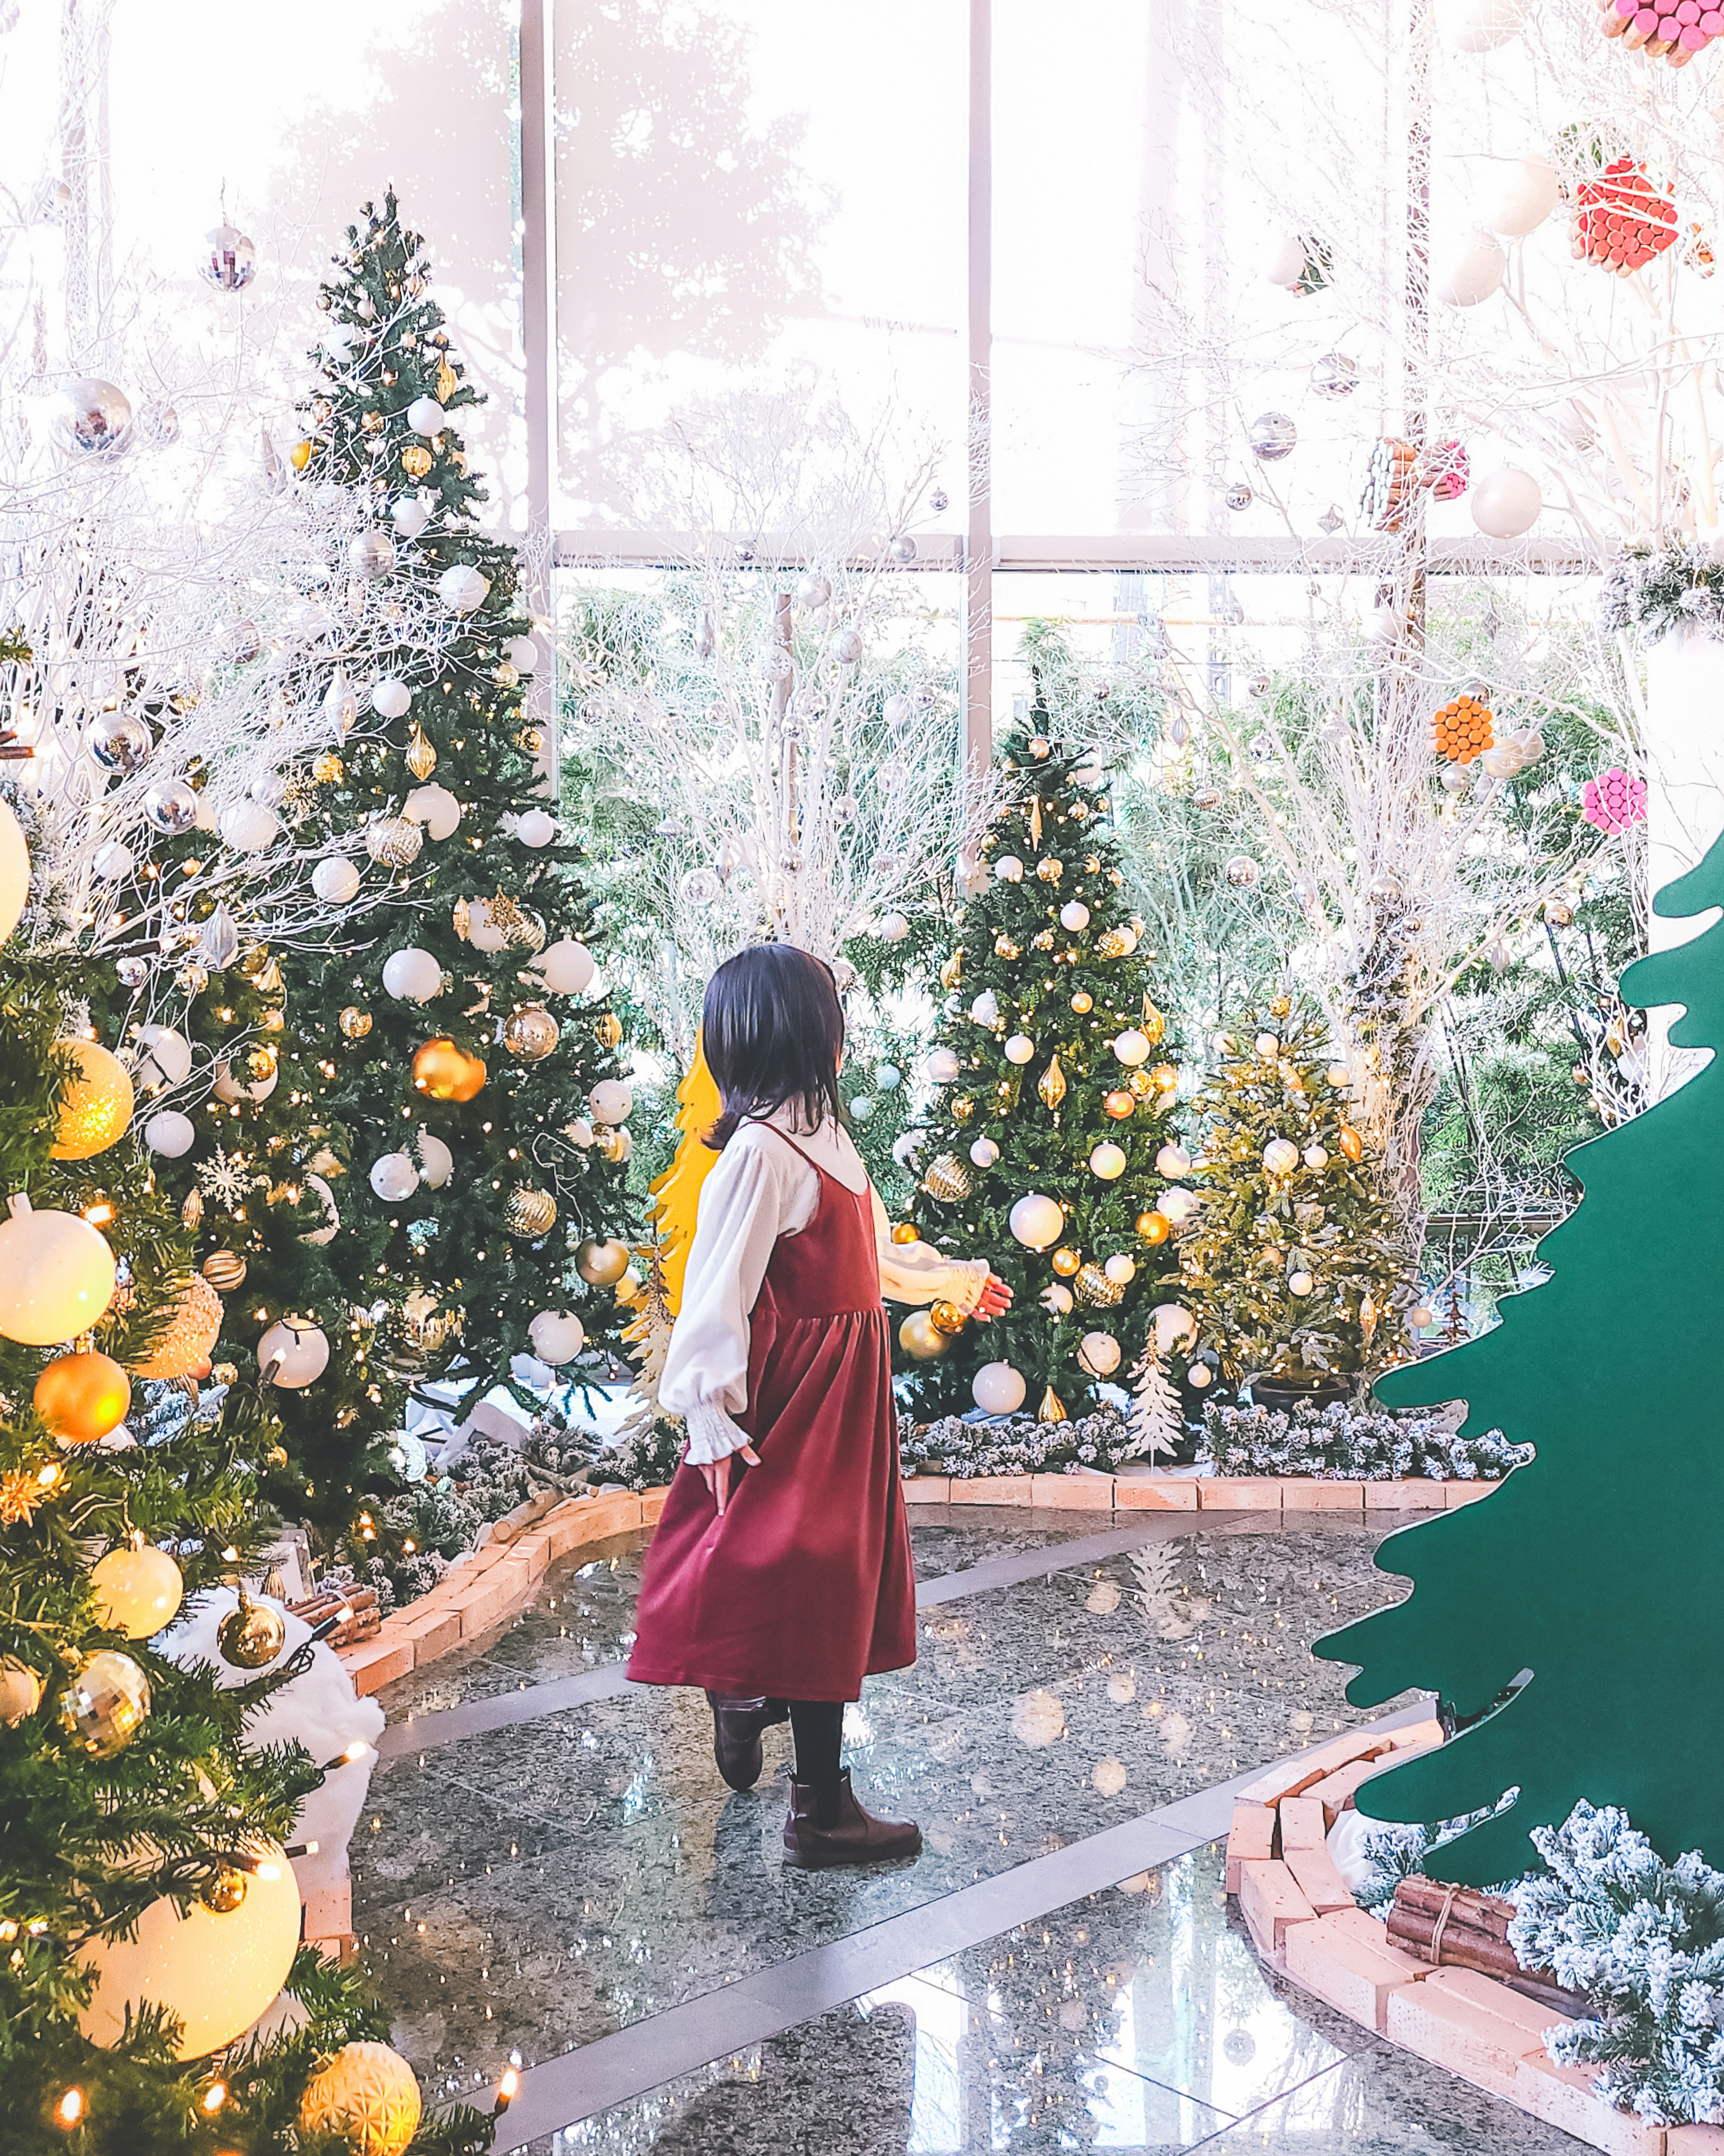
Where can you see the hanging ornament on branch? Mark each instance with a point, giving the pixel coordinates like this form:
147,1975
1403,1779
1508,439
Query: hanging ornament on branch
1621,221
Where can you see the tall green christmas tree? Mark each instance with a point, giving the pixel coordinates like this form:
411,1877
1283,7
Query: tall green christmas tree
485,1106
1049,1149
1291,1265
1568,1621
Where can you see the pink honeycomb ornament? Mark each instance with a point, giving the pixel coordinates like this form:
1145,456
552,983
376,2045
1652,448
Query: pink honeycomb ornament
1674,30
1614,800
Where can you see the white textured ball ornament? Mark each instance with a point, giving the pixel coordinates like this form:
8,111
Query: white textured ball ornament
411,515
1316,1157
984,1152
844,647
424,415
1008,869
941,1066
164,1057
610,1101
1019,1048
170,1133
215,1970
437,1164
985,1009
137,1591
1299,1283
1098,1352
535,828
1074,916
113,862
1515,196
1268,1046
1467,269
390,699
566,968
1108,1161
1506,503
336,880
522,654
394,1177
462,588
434,806
1172,1162
998,1390
249,827
1056,1299
1036,1221
1283,260
558,1336
1132,1048
1177,1204
1281,1156
293,1356
893,928
367,2095
413,975
1120,1269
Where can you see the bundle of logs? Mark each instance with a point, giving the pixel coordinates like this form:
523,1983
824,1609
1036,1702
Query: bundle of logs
354,1609
1458,1928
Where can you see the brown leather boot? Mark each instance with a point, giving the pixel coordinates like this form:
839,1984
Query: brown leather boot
855,1836
736,1727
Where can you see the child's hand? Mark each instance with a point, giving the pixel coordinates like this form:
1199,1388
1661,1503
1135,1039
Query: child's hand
994,1298
716,1474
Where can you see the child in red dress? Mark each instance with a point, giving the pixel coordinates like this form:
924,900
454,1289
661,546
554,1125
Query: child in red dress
780,1574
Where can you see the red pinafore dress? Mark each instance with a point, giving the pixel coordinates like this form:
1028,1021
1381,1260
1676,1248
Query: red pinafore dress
805,1584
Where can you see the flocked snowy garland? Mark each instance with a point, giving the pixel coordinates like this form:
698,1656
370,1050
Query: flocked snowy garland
1660,588
1346,1443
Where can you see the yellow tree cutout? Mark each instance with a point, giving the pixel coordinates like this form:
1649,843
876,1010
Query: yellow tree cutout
677,1191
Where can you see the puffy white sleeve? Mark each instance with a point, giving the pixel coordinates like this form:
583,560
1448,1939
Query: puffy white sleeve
916,1272
739,1220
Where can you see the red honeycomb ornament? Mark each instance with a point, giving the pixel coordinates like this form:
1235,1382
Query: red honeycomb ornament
1621,220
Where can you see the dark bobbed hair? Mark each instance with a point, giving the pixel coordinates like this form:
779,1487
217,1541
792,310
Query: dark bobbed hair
774,1031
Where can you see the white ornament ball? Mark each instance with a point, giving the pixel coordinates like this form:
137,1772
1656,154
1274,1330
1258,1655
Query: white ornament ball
1283,260
1038,1719
390,698
1178,1204
331,1215
1132,1048
413,975
943,1067
1172,1162
215,1971
437,1164
1125,941
299,1353
1172,1326
164,1057
482,932
434,806
1098,1352
170,1133
1108,1161
411,515
986,1010
522,654
566,968
1468,270
1515,196
984,1152
463,588
336,880
1056,1299
138,1591
844,647
14,871
558,1336
1008,869
371,553
1074,916
535,828
424,415
1120,1269
1019,1048
394,1177
1267,1046
893,928
1316,1156
1199,1376
1299,1283
1280,1156
1506,503
229,1088
249,827
610,1101
1338,1074
1420,1316
1479,26
1037,1222
998,1390
113,862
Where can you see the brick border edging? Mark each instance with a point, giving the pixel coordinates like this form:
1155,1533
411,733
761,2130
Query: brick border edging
1306,1926
1192,1493
510,1558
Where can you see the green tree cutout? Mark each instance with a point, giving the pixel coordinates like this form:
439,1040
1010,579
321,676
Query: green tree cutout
1569,1620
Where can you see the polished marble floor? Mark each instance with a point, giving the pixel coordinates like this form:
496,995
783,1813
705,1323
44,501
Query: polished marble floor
535,1889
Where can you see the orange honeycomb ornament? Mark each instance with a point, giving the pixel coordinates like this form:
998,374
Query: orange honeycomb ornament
1461,729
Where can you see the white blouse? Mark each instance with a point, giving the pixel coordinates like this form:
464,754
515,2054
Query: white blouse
758,1190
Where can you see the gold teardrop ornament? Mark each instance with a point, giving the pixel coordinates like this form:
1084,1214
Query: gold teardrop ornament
1051,1409
421,757
1051,1085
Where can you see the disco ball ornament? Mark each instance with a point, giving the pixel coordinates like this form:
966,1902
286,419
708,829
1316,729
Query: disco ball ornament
1238,495
371,554
120,742
1272,436
229,262
158,426
1335,375
171,807
700,886
105,1705
1242,872
92,418
131,972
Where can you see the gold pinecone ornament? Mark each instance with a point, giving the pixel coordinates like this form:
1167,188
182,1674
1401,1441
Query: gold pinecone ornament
529,1212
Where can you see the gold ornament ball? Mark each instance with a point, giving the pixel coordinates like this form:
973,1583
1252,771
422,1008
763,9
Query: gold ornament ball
602,1264
1154,1227
96,1105
1083,1003
530,1033
920,1336
224,1270
446,1072
1140,1085
252,1634
1065,1261
224,1890
609,1030
1350,1143
1050,871
1119,1105
1004,947
81,1398
137,1591
366,2094
907,1231
394,842
947,1178
193,1330
947,1318
355,1023
327,768
962,1109
1041,747
415,460
1281,1007
531,1212
105,1705
1164,1077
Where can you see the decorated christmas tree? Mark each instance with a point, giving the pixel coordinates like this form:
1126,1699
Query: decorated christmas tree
484,1106
1566,1622
1049,1149
1291,1265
